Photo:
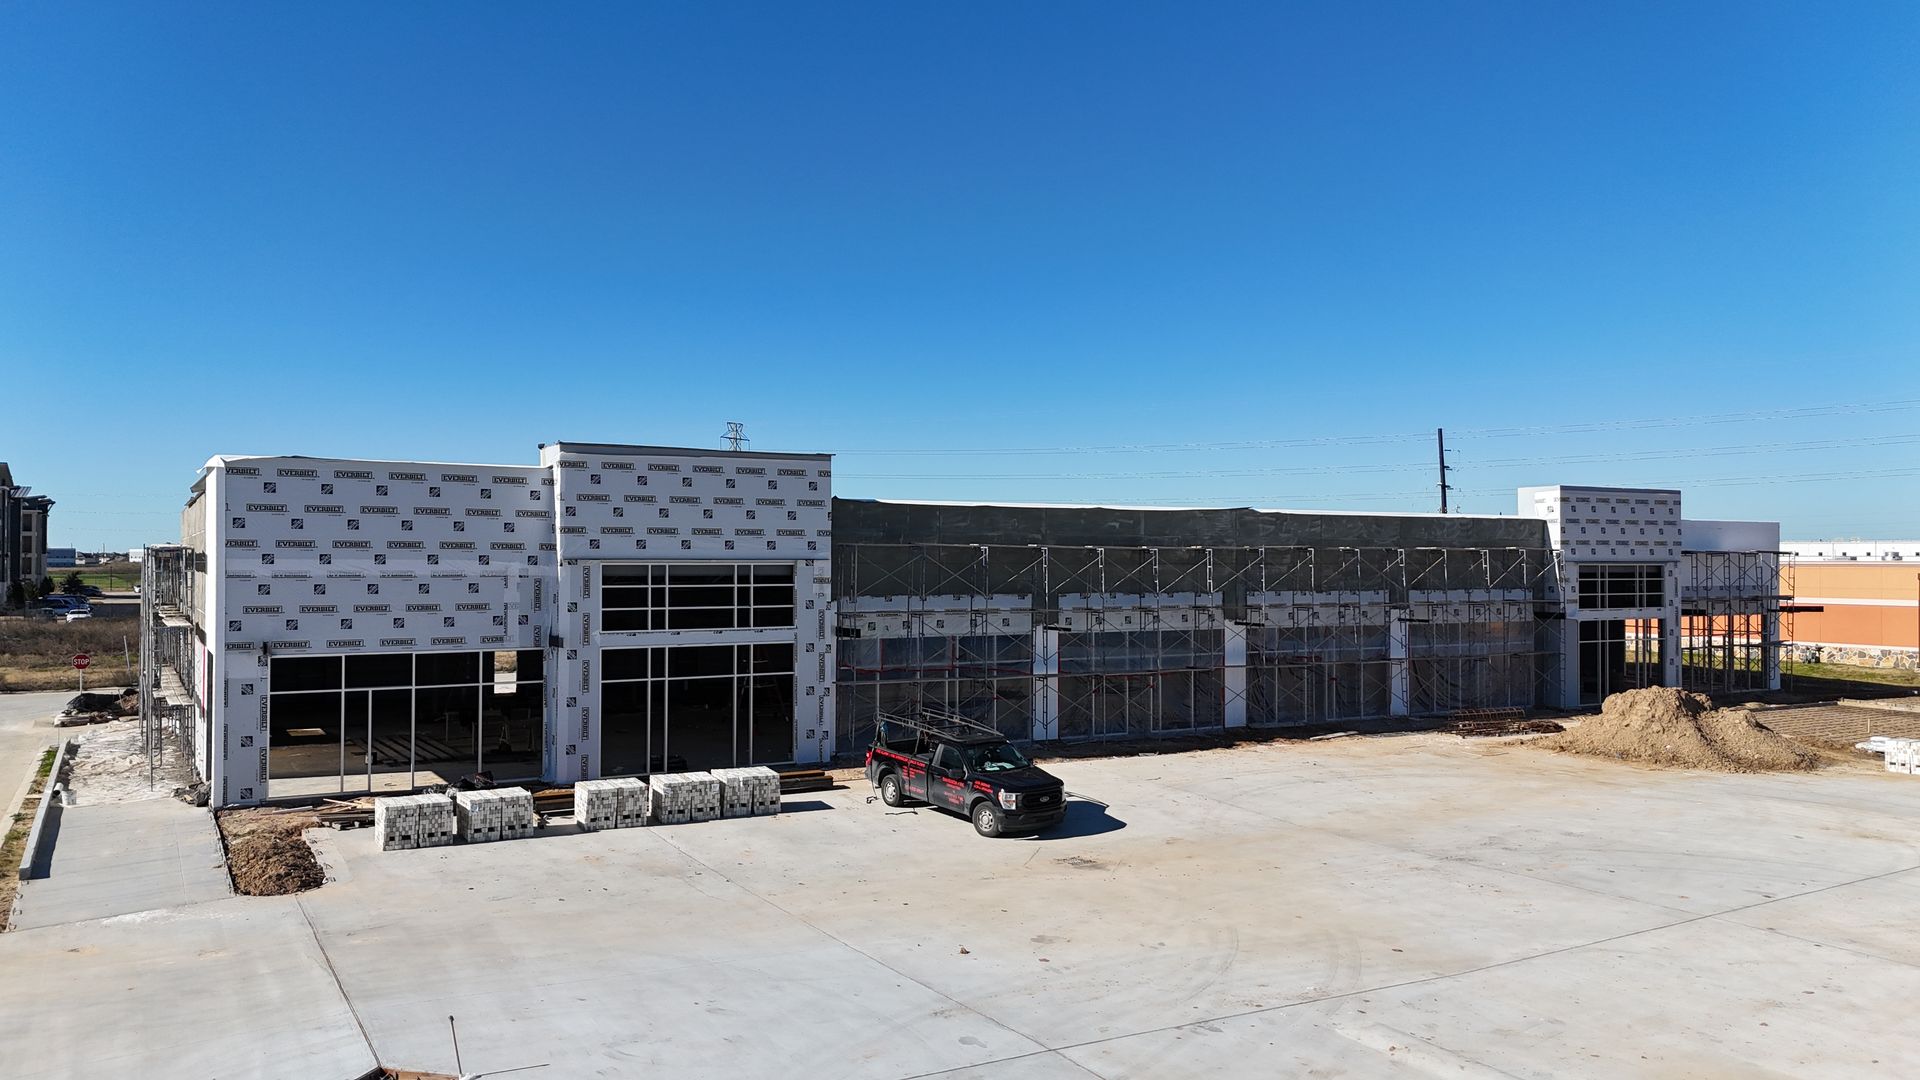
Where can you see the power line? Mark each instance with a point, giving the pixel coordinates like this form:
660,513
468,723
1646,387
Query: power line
1733,449
1803,413
1300,499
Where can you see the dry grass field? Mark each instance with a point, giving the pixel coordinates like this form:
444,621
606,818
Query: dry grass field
36,654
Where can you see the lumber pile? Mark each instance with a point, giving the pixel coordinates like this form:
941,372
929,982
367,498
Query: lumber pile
793,781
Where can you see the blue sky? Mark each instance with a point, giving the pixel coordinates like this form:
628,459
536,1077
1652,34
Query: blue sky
1254,253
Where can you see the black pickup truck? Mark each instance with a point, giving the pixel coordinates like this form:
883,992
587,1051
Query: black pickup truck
951,763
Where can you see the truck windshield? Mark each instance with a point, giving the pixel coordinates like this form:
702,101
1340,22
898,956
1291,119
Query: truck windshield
995,757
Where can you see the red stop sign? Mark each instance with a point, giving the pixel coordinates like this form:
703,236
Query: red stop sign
81,660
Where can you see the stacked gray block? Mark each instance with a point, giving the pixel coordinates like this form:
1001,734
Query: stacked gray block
403,822
748,792
493,814
1903,755
610,804
677,798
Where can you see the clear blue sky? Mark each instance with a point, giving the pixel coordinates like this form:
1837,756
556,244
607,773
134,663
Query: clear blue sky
451,231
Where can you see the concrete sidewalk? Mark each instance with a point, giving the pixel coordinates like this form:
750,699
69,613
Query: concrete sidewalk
121,858
231,989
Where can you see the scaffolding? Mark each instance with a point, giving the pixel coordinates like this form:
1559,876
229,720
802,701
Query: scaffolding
1101,642
1730,630
170,656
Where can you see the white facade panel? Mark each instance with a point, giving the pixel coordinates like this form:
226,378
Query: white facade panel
315,557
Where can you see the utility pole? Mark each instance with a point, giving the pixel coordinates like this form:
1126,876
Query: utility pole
1440,435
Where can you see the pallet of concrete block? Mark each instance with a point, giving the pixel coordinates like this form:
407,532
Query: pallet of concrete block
413,821
493,814
677,798
749,792
610,804
1902,755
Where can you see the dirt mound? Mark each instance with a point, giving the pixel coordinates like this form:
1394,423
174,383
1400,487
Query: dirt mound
1675,729
268,856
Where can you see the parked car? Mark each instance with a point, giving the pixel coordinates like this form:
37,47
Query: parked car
78,613
951,763
60,602
91,590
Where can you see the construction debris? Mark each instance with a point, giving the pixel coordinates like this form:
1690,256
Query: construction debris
90,708
1494,722
267,855
1676,729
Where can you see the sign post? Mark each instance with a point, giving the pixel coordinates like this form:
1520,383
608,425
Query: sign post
80,662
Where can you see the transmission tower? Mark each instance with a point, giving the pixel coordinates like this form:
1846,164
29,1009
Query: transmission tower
736,436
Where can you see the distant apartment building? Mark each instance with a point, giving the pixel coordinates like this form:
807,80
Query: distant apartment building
1854,601
62,558
23,533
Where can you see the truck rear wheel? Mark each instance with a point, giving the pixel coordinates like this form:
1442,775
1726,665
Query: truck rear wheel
986,819
890,790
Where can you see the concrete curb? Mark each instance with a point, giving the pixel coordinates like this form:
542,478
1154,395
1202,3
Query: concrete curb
34,862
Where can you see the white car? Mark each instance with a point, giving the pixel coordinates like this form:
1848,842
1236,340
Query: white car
78,613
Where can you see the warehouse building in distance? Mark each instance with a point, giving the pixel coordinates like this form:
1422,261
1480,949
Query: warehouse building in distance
338,626
1855,601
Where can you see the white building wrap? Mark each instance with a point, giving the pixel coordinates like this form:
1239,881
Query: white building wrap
322,558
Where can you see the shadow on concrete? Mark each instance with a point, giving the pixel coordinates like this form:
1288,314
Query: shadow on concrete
1083,819
802,806
39,859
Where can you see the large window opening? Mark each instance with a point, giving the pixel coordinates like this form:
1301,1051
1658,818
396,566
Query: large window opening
1622,585
695,707
696,596
396,721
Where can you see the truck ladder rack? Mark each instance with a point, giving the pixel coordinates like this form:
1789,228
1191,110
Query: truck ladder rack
934,720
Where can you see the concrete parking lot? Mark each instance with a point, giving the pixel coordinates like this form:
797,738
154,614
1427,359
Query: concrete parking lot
1414,905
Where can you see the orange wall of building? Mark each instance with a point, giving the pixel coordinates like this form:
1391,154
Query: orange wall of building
1820,584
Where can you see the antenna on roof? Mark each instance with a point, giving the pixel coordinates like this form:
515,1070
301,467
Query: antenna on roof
1440,434
736,436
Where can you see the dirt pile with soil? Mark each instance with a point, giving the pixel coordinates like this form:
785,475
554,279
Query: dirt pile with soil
1675,729
267,855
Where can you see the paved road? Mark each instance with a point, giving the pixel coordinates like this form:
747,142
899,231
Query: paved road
24,733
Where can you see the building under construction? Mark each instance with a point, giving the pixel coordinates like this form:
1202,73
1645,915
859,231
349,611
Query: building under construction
340,626
1080,622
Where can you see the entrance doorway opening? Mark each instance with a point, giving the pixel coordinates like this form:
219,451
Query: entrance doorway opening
695,707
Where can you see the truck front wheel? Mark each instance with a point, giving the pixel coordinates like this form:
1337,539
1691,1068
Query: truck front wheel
890,792
986,819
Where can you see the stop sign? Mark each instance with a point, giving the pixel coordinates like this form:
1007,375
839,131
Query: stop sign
81,660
